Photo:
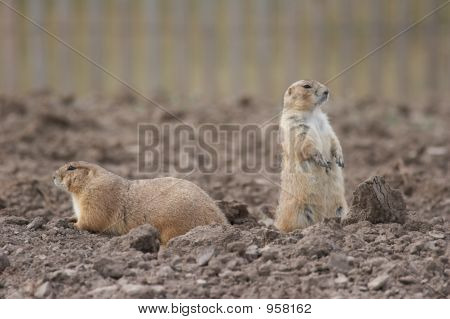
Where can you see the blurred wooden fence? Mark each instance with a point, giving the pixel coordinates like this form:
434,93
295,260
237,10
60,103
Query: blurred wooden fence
210,49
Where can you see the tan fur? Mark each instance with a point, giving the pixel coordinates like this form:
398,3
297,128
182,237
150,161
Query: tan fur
112,204
311,179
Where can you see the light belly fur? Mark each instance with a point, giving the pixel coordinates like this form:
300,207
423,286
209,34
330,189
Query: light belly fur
76,207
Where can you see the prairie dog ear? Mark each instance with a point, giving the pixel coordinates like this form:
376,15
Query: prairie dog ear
289,92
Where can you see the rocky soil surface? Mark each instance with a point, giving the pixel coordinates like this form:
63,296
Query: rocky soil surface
394,244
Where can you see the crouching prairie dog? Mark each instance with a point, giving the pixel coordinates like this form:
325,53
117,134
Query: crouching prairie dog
312,182
105,202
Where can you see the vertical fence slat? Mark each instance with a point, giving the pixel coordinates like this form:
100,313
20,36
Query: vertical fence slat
291,14
153,13
64,56
263,48
208,10
444,50
376,38
402,52
36,46
236,45
318,40
431,38
9,48
180,48
347,45
125,39
96,22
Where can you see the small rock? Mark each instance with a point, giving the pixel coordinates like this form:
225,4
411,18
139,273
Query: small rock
4,262
407,280
143,291
237,246
201,282
416,247
436,234
103,292
144,238
233,263
44,290
28,287
339,262
341,279
166,272
61,275
252,252
264,269
267,222
218,235
109,268
137,291
268,253
37,223
437,246
204,257
377,261
240,276
379,282
320,267
438,220
300,262
158,289
376,202
436,150
177,263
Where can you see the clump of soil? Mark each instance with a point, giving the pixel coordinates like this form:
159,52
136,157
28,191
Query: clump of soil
394,243
376,202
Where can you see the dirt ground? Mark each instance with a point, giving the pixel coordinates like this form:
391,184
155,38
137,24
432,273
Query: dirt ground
43,256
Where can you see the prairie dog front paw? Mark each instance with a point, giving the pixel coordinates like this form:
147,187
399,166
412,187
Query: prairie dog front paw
339,159
321,161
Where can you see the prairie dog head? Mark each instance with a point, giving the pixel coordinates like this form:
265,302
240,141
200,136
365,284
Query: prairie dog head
74,176
305,95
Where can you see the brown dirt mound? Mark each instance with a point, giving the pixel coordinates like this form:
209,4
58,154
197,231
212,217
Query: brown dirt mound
376,202
43,256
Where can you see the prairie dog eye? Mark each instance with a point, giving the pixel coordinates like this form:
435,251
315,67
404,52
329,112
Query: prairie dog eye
71,168
307,86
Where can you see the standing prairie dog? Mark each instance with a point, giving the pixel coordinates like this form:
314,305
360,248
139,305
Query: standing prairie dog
312,183
105,202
